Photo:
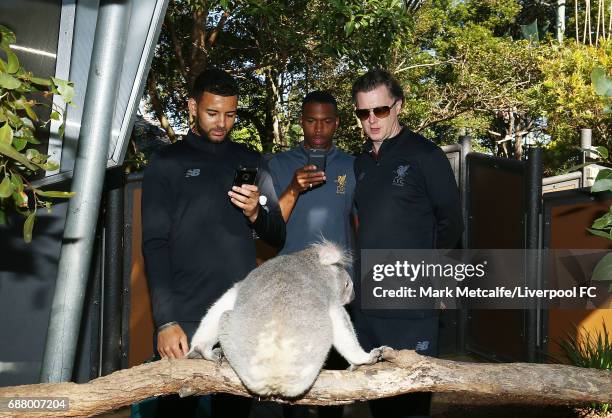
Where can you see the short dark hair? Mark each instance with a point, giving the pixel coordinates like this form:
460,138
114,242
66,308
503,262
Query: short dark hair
374,78
319,96
214,81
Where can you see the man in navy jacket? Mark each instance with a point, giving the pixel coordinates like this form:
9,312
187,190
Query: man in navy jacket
198,227
406,198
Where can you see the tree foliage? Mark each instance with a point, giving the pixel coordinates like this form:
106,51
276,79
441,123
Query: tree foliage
21,96
466,67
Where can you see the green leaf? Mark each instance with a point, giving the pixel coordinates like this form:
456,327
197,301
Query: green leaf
6,134
31,114
32,153
55,115
7,36
15,155
21,199
41,81
6,188
9,82
13,119
17,183
32,140
28,226
13,62
599,233
61,130
602,84
3,220
64,88
603,222
19,143
603,181
603,269
49,166
603,151
349,27
53,193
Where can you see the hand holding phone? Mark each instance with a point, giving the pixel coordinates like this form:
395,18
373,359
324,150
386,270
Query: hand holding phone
318,158
245,194
245,175
306,178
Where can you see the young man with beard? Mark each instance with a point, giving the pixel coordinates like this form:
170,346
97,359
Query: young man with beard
198,227
406,198
316,203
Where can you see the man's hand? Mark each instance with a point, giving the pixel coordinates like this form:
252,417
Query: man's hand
246,198
306,178
172,342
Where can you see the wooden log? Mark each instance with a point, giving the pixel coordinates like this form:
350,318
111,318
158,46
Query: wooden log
403,372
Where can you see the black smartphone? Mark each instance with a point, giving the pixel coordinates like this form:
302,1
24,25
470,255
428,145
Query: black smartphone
318,158
245,175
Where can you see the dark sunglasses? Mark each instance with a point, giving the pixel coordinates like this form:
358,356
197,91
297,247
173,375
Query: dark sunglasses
380,112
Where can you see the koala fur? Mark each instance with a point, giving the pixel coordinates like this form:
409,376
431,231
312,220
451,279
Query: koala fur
277,325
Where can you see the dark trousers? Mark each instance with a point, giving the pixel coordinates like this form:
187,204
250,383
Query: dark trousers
415,331
222,405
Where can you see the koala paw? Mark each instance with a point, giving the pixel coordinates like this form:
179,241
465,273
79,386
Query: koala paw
378,354
198,352
375,355
195,352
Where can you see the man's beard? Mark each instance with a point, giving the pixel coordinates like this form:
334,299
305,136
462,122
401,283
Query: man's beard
197,129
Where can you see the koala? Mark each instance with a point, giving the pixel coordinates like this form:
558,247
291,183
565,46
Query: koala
277,325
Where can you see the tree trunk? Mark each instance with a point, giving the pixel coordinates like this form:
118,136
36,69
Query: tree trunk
402,372
158,109
272,123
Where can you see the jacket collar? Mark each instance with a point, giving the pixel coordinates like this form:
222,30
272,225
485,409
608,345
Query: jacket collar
368,146
202,143
331,152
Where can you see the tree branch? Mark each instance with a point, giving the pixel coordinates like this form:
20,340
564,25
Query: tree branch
427,123
403,372
212,39
176,45
158,109
199,53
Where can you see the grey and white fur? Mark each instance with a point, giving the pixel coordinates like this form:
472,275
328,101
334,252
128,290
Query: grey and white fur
277,325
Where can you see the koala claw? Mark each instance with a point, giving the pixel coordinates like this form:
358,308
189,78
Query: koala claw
376,355
380,352
217,355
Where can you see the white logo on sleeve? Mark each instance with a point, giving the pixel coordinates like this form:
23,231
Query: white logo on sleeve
192,172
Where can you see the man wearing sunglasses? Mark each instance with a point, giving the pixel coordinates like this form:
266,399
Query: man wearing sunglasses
406,198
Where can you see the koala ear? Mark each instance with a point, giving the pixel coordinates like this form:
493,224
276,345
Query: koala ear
329,253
